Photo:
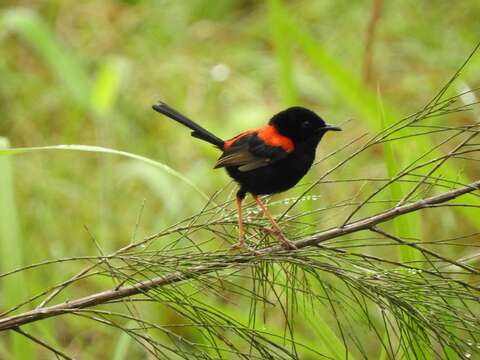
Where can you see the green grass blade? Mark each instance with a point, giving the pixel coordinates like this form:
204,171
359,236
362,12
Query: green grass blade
11,251
104,94
123,344
107,85
330,344
35,32
99,149
283,52
404,225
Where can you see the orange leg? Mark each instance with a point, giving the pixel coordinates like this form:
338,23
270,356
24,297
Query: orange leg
241,234
286,243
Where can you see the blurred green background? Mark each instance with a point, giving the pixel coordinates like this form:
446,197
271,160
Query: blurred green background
87,72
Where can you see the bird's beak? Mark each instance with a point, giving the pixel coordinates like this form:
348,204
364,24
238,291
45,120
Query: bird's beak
328,127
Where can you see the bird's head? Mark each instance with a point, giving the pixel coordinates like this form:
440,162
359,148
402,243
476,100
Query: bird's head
301,124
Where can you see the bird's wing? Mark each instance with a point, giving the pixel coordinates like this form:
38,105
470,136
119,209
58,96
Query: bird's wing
249,152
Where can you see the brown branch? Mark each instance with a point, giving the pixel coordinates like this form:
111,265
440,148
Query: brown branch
12,322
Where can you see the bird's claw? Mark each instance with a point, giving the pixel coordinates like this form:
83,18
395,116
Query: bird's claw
241,245
270,231
287,244
237,246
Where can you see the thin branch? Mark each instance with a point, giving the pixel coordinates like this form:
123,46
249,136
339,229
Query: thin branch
425,251
42,343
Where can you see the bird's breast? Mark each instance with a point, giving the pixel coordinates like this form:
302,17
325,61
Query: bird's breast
276,177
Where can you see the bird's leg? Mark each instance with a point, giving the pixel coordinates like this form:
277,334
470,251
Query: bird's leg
285,242
241,235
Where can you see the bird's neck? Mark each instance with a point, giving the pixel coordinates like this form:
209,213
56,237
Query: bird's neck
309,144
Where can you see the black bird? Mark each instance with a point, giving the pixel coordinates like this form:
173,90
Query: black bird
267,160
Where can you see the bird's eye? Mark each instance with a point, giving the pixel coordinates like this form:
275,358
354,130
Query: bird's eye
306,124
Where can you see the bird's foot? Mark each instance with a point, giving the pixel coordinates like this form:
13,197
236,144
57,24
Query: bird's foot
240,245
287,244
269,230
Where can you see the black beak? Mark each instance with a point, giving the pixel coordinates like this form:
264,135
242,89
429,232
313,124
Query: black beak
328,127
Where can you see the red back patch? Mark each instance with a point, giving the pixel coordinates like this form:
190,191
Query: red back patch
231,141
272,137
269,135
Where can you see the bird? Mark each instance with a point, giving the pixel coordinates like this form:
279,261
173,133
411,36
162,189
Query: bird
267,160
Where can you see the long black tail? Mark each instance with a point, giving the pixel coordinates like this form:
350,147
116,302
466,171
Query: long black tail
198,131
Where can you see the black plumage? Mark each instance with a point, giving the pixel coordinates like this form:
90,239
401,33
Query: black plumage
267,160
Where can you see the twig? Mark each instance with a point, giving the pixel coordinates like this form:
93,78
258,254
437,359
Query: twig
42,343
436,167
425,250
176,277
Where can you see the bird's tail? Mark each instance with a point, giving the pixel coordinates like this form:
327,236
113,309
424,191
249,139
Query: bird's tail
198,131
